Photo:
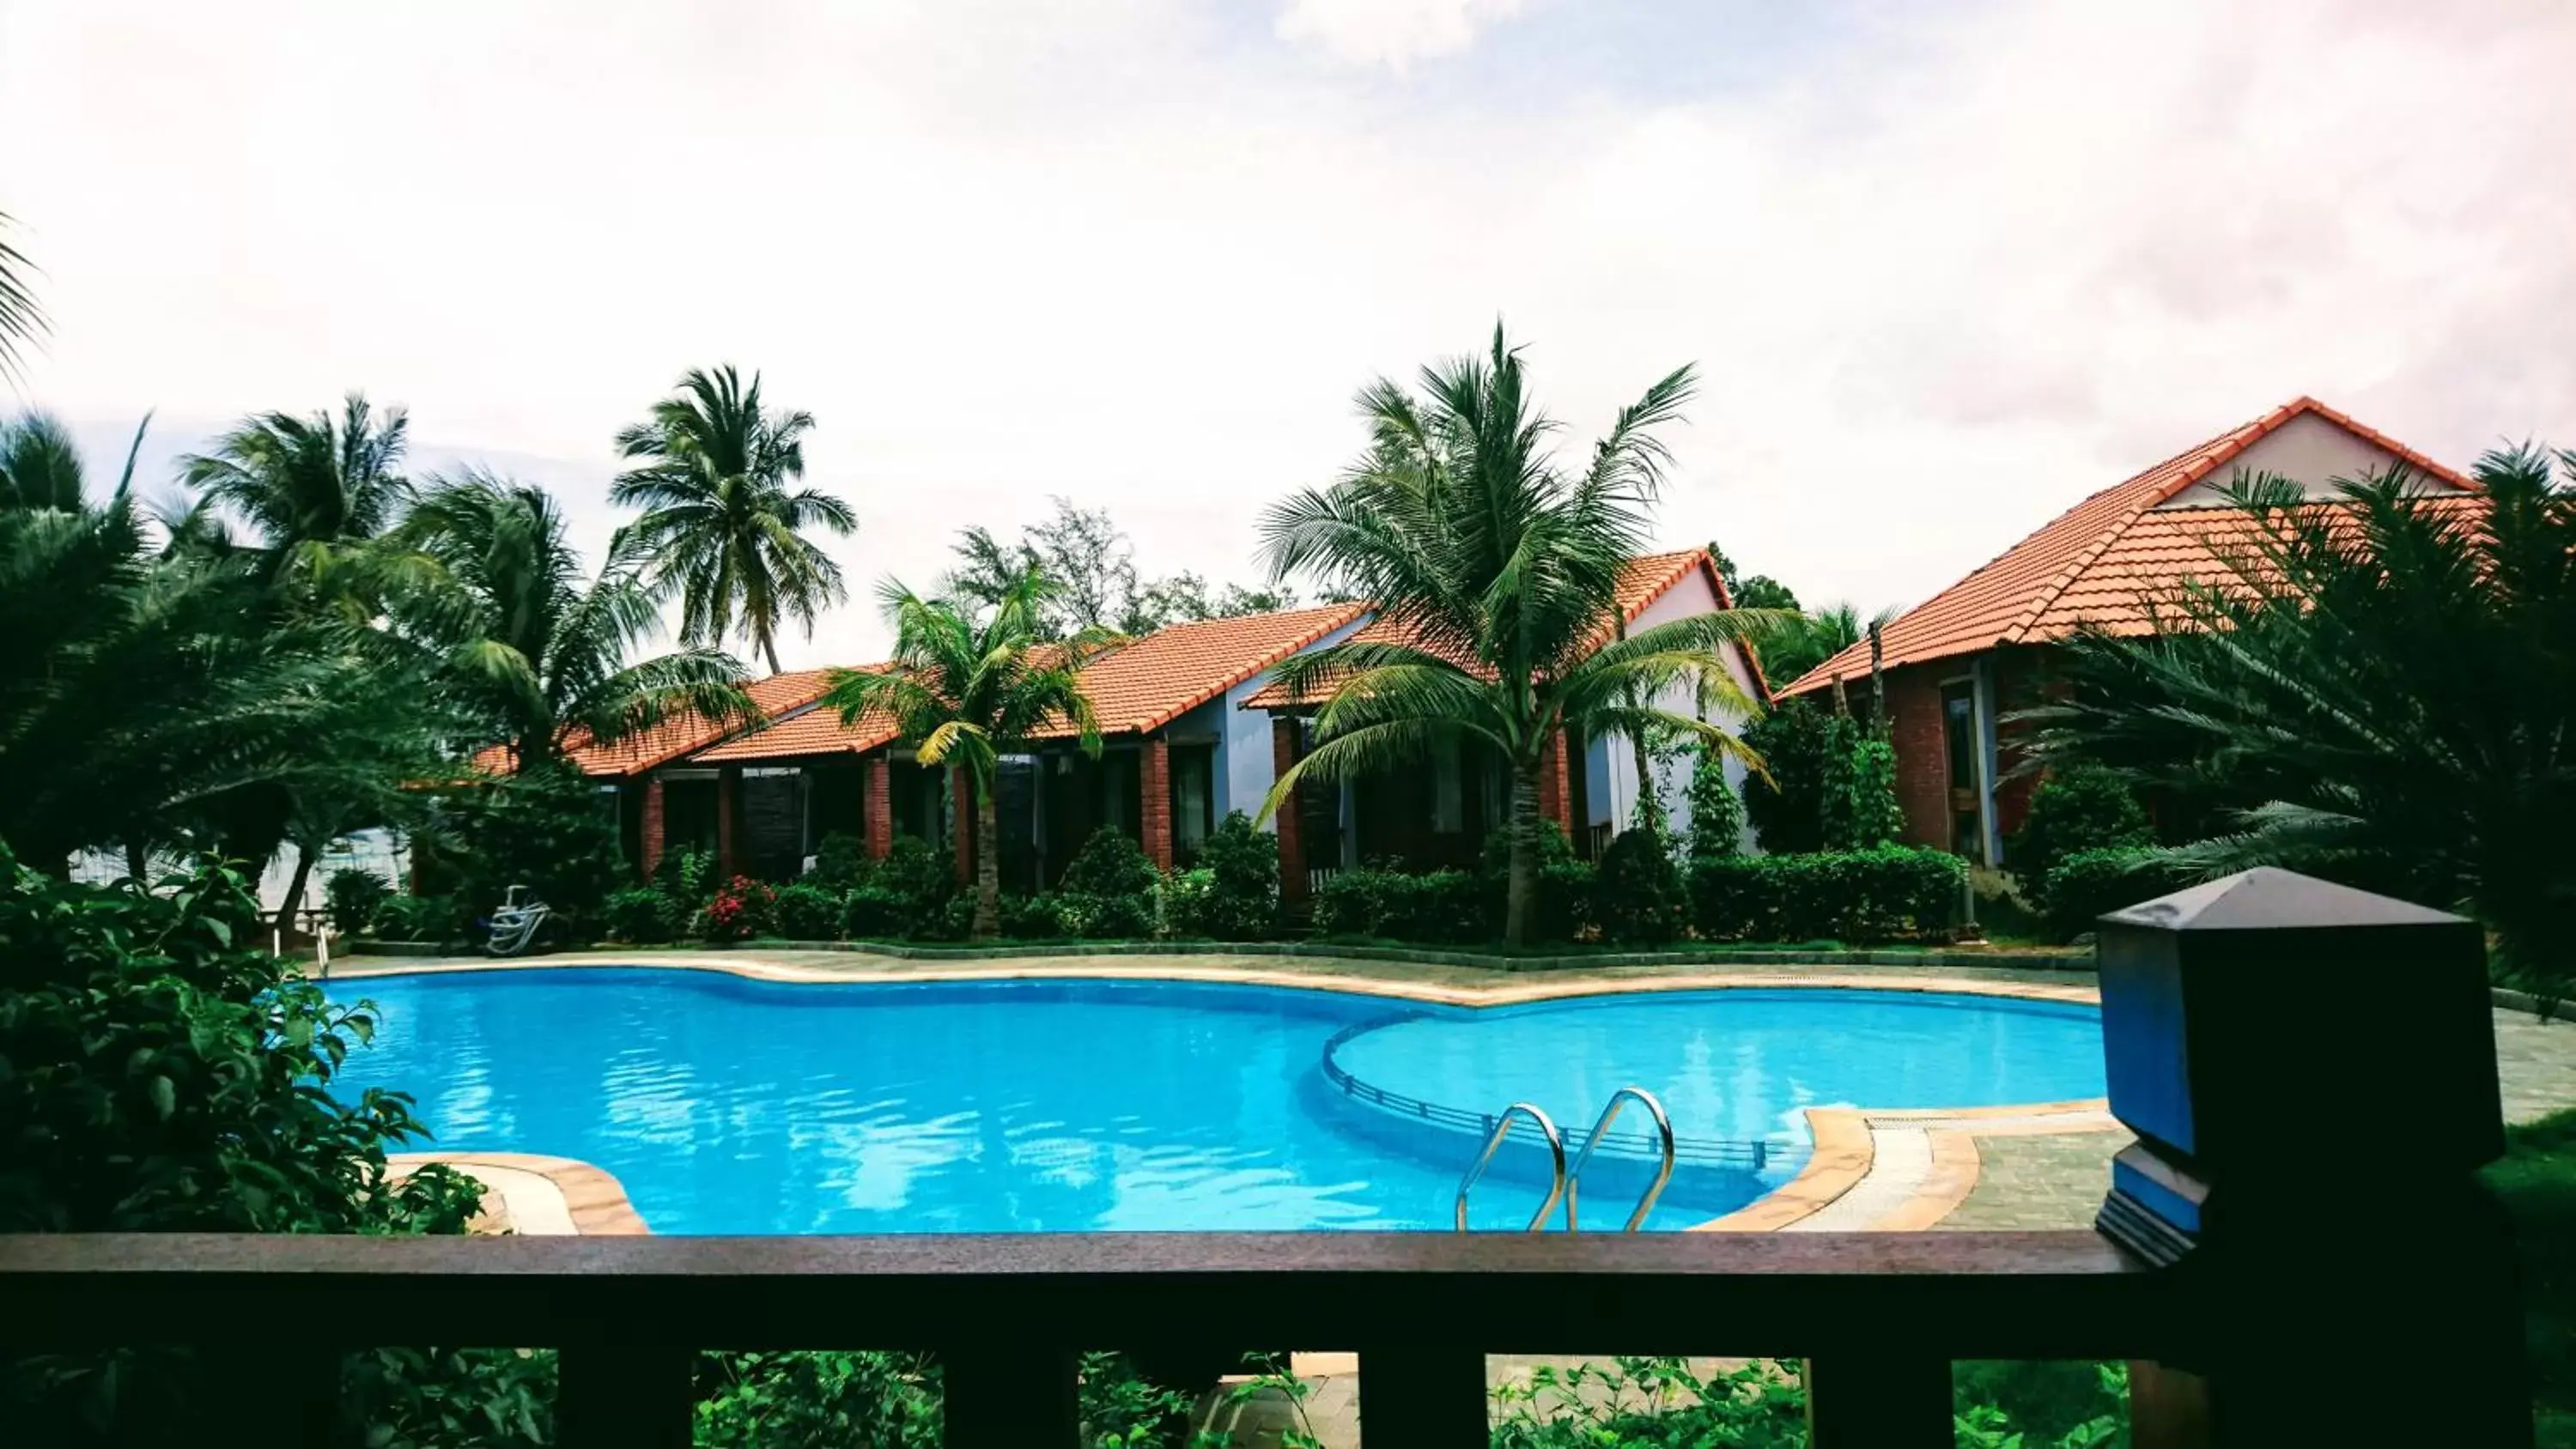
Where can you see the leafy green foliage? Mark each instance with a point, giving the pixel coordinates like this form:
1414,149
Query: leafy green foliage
2027,1404
1717,815
2088,883
1242,899
1108,887
840,862
22,320
1040,917
644,916
2536,1182
1892,893
419,918
804,912
1498,571
547,828
1788,809
878,913
812,1400
1441,907
2079,807
721,527
1638,895
1562,907
1859,798
353,893
742,908
687,876
1652,1403
2378,689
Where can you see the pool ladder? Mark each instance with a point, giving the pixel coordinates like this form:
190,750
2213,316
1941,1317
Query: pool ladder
1568,1184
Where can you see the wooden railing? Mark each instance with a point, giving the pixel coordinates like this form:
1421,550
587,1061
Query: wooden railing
2294,1252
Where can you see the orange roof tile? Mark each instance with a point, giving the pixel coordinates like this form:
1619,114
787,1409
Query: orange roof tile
1151,681
1645,579
814,729
2101,561
778,694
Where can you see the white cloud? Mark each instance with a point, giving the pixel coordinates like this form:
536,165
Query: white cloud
1942,277
1391,33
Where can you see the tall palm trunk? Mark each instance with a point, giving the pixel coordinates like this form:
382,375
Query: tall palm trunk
988,864
295,888
1520,898
769,649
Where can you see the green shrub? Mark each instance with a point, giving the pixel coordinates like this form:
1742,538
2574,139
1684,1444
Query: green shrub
1859,800
841,862
1565,885
353,893
919,873
419,918
1717,816
546,829
1242,901
1189,904
1892,893
1443,907
1040,917
2076,808
640,916
1108,918
687,877
1638,895
878,913
2088,883
1788,809
1348,902
741,910
755,1400
803,912
166,1076
952,920
1109,864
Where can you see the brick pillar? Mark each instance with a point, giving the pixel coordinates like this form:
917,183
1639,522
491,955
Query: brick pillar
1922,755
728,805
651,831
961,798
1555,792
1291,824
876,807
1154,805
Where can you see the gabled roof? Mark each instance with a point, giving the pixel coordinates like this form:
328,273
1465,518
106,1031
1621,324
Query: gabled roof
812,730
1148,683
672,738
2100,562
1645,579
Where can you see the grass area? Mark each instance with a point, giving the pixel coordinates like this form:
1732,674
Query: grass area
2537,1181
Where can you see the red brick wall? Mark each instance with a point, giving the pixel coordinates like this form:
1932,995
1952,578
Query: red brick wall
1291,823
1154,802
653,830
1555,791
876,811
1922,754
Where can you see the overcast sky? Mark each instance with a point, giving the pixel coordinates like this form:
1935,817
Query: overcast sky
1945,269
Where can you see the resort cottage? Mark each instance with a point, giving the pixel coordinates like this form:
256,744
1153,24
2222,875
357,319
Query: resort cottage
1953,666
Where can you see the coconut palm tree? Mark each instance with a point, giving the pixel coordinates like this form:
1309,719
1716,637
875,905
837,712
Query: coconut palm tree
2381,689
1801,641
21,320
40,465
316,492
720,524
1500,570
535,649
968,687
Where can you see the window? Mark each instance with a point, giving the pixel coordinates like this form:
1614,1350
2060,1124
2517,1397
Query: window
1448,789
1193,802
1967,801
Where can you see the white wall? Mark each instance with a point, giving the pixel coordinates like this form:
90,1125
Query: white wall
1245,779
2311,451
1610,765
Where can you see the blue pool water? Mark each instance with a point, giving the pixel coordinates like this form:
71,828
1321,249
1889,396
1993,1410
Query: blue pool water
733,1106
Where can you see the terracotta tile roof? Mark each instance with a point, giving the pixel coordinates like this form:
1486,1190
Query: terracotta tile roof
778,694
1646,578
2099,561
1148,683
812,730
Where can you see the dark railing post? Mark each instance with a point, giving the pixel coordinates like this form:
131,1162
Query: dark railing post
1423,1396
1869,1401
611,1394
2311,1073
1006,1395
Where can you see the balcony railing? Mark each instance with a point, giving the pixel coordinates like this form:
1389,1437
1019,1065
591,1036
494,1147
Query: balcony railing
2294,1252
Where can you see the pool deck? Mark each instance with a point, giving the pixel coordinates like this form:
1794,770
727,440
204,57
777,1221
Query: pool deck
2039,1165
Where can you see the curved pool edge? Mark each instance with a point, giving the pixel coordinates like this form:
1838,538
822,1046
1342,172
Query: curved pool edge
1848,1181
542,1195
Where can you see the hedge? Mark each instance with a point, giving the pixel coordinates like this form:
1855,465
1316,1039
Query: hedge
1892,893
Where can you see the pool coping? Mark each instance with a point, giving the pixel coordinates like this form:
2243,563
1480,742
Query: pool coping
539,1190
1850,1153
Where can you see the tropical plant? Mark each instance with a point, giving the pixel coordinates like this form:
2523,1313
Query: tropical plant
721,526
353,893
1242,864
742,909
1799,642
1786,803
965,690
548,829
642,916
533,650
21,319
1860,805
1108,887
40,465
2078,807
1638,894
1716,814
806,912
2379,687
317,492
1760,591
1499,572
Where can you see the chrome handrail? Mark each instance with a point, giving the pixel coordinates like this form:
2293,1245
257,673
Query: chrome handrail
1494,1144
1663,1173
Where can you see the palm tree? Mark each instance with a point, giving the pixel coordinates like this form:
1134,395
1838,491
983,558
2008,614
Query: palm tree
21,320
970,686
1801,641
2379,689
40,465
535,650
720,524
315,491
1500,571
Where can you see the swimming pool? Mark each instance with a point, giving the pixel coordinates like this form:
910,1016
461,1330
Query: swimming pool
728,1105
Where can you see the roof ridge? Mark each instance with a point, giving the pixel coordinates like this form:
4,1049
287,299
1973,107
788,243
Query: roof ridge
1336,616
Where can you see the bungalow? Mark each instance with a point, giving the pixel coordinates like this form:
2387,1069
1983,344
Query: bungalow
1438,816
1978,650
